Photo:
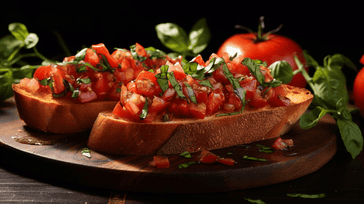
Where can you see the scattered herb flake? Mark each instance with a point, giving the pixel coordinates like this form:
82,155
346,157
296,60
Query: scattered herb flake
254,159
186,155
300,195
258,201
185,165
86,152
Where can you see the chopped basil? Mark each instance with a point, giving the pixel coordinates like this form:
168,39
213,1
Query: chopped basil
144,113
186,155
75,93
155,53
254,159
45,82
238,90
295,195
191,93
175,84
81,55
229,153
118,90
185,165
84,80
254,67
86,152
206,83
258,201
135,54
162,78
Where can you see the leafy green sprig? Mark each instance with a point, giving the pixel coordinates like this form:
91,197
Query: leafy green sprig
12,66
331,97
175,37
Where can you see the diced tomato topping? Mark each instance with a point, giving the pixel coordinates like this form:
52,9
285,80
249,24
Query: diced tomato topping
146,84
278,97
198,59
197,110
281,144
220,76
177,70
102,52
91,57
216,100
160,162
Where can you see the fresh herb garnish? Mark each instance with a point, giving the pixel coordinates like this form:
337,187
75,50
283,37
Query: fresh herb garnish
175,84
135,54
144,113
186,155
300,195
331,97
175,37
185,165
86,152
254,159
238,90
191,93
264,149
257,201
206,83
162,78
12,68
254,67
84,80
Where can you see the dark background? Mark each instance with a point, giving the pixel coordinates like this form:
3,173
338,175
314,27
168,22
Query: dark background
322,29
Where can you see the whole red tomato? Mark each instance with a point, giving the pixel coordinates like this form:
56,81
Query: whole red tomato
358,89
268,48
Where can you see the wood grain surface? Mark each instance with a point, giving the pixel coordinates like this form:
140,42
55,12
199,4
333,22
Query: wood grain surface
59,157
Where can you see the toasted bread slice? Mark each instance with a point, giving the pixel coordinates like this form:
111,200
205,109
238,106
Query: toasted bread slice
57,115
116,136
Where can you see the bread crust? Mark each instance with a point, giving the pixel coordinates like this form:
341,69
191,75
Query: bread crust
116,136
57,115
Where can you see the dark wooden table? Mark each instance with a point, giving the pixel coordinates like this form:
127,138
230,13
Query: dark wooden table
341,179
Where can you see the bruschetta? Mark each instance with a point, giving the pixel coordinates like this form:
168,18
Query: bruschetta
67,97
198,106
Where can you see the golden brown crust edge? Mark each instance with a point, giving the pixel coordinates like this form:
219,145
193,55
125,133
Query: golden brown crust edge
115,136
57,116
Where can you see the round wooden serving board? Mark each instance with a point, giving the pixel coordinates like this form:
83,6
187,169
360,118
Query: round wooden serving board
59,157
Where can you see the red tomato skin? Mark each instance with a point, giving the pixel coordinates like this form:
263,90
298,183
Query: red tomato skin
358,89
226,161
160,162
276,48
207,157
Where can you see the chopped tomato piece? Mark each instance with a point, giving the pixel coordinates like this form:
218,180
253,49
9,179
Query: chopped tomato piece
258,101
55,75
140,50
169,94
197,110
177,70
91,57
86,96
179,107
220,76
207,157
102,51
227,161
216,100
279,98
281,144
198,59
146,84
160,162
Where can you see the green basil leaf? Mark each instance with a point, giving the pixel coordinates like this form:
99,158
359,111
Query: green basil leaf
6,80
8,45
330,86
19,31
206,83
81,55
238,90
173,37
135,54
337,61
86,152
155,53
254,68
144,113
300,195
31,40
186,155
175,84
309,120
199,36
163,83
84,80
282,71
191,93
351,136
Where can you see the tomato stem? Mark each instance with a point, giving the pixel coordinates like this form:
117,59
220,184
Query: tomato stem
259,34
